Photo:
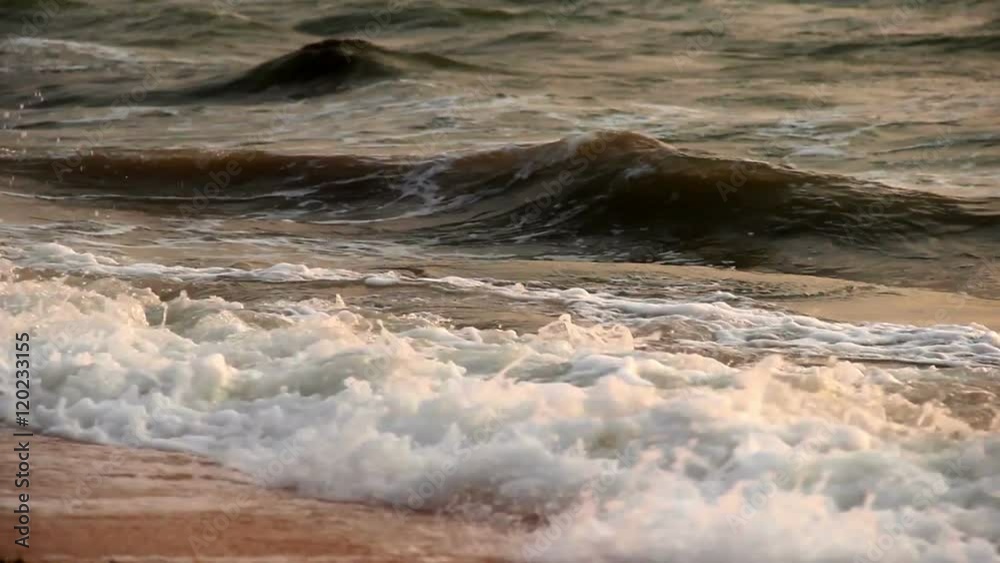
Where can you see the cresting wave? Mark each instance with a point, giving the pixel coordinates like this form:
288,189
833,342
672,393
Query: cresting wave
600,183
579,429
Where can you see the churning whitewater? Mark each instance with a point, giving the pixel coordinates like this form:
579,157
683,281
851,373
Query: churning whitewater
589,430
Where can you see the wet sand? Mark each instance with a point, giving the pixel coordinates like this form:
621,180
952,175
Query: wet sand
99,503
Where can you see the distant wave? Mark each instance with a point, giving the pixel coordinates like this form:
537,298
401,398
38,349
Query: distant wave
315,69
323,67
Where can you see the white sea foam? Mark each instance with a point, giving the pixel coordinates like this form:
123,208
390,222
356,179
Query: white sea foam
725,319
53,256
632,455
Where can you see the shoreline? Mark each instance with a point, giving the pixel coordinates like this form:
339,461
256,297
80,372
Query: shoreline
92,502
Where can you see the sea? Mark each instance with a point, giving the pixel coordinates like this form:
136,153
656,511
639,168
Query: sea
692,281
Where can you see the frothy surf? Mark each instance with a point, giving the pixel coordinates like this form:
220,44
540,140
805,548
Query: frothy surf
601,440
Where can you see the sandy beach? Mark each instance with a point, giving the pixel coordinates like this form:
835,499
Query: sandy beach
101,503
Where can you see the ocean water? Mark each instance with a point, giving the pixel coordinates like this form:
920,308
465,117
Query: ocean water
700,281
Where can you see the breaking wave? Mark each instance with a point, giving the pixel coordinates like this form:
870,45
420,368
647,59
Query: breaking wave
597,183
